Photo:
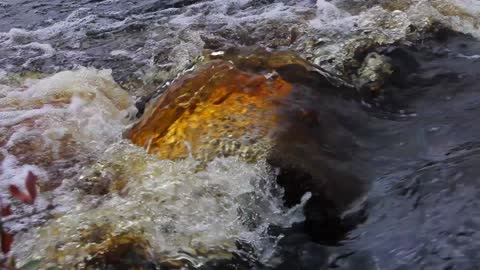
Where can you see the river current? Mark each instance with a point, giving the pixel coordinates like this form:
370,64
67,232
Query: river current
75,76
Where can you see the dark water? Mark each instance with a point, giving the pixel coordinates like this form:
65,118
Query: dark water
85,33
425,198
417,144
423,204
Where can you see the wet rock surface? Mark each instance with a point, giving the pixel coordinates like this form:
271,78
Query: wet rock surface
418,145
271,105
420,149
406,137
410,141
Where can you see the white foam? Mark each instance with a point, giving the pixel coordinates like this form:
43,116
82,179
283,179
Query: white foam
328,12
85,104
120,53
46,49
172,206
472,6
474,57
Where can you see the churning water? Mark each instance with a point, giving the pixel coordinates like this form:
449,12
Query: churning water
71,73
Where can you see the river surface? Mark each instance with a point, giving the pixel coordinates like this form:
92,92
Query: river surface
75,75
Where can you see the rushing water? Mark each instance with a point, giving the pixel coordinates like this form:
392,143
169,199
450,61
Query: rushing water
71,73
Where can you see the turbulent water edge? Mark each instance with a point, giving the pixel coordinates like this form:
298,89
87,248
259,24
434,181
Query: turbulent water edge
71,73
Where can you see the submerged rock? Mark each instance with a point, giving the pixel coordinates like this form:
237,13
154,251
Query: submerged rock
218,111
260,105
107,249
343,48
233,105
374,72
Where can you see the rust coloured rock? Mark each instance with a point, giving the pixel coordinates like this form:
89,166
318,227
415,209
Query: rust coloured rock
272,106
219,110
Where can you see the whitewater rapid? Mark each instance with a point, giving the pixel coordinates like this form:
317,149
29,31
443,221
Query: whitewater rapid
68,90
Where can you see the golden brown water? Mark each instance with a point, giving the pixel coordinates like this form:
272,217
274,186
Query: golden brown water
218,110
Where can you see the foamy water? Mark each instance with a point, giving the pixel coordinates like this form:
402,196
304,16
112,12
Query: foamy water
158,44
180,211
55,125
67,126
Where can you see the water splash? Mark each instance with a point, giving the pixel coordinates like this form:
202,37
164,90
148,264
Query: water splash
53,126
176,209
67,128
